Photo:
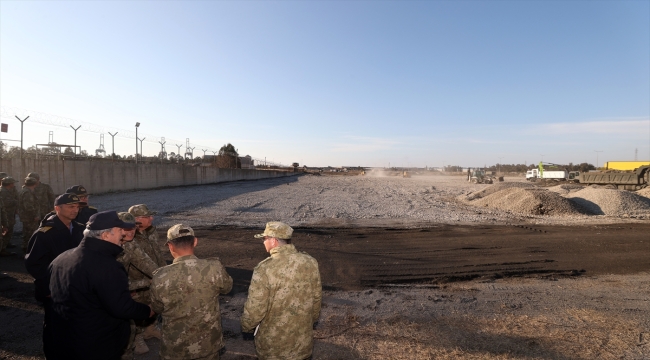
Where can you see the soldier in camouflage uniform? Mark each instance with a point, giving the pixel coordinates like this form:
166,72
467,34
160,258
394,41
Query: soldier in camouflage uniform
85,210
284,298
139,268
146,238
44,194
10,202
186,293
28,210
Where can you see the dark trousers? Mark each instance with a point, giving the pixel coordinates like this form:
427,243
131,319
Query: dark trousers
51,347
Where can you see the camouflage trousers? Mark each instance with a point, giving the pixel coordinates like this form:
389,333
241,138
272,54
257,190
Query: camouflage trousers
28,229
6,238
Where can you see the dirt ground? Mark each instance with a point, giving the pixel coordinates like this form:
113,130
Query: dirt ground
437,292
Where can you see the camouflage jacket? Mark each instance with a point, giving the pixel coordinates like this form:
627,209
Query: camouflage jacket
148,242
284,299
3,215
45,197
10,201
186,294
138,265
28,208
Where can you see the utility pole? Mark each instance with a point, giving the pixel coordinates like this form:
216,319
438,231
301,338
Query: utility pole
179,149
113,142
137,125
75,138
190,151
141,152
597,151
204,150
215,155
163,152
21,134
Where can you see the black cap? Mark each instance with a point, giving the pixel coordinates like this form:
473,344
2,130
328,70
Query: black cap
77,189
107,220
67,199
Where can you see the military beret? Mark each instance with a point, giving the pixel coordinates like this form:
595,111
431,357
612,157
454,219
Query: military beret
276,229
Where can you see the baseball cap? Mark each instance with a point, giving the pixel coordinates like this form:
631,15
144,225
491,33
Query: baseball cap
178,231
127,217
29,181
107,220
278,230
34,175
67,199
77,189
8,180
141,210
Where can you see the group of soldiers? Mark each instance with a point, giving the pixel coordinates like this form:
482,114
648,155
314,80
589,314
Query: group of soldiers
282,307
32,203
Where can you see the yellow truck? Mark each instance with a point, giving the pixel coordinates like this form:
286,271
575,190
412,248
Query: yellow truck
625,165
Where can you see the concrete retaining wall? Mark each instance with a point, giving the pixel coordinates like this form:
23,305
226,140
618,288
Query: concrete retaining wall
106,176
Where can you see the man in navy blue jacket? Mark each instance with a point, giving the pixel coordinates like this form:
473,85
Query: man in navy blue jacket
90,294
57,233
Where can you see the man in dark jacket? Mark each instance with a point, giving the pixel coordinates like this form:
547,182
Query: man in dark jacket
90,294
57,233
85,211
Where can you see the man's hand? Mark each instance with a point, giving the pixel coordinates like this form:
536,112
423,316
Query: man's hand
247,336
4,230
151,313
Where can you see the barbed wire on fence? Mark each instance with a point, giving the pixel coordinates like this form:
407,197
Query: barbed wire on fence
11,113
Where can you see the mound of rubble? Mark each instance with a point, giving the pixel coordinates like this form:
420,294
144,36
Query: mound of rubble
644,192
565,189
496,188
612,202
531,201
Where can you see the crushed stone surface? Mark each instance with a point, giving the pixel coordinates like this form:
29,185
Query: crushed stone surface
565,189
343,201
531,201
645,192
613,202
494,189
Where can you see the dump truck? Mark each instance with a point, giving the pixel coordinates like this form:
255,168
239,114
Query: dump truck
625,165
540,173
625,180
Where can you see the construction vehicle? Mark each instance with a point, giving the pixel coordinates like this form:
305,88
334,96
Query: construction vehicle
625,180
625,165
479,176
540,173
574,176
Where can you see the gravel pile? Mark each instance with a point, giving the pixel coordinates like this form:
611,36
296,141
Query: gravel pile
494,189
644,192
613,202
531,201
565,189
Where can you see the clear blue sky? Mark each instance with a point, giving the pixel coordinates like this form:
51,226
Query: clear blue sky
342,82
